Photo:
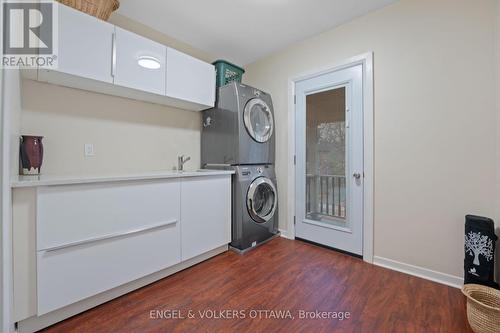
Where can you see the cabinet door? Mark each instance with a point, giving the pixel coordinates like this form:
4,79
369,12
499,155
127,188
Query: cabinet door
205,214
140,62
85,45
190,79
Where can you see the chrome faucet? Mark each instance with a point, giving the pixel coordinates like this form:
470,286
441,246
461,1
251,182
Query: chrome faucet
181,160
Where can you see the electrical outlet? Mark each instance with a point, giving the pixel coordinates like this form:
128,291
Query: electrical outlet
89,149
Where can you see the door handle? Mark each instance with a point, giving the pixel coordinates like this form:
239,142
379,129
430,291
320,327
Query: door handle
111,236
356,175
113,55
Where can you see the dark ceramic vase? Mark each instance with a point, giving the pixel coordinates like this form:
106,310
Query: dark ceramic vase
31,154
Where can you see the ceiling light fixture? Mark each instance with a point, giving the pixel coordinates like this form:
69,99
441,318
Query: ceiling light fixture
149,62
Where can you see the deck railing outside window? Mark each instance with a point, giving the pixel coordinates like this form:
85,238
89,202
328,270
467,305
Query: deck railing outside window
325,196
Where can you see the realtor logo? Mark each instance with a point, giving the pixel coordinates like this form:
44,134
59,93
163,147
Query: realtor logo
29,34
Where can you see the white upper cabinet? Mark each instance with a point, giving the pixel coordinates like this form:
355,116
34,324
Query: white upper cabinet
97,56
189,78
85,45
140,62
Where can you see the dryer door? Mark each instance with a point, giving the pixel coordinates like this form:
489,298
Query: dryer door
258,120
262,199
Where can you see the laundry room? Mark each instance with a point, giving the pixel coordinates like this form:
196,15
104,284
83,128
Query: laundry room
250,166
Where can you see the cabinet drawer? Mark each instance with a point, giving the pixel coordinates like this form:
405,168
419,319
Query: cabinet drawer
72,214
74,273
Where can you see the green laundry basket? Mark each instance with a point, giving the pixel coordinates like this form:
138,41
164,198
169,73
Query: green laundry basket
227,72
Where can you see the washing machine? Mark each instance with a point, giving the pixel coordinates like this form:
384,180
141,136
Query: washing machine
254,206
240,129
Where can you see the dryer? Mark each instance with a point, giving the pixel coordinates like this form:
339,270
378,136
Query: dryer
240,129
254,206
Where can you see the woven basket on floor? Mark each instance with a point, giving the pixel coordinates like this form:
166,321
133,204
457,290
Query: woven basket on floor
98,8
483,308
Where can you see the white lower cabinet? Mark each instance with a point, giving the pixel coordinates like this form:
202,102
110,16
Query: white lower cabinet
205,212
92,238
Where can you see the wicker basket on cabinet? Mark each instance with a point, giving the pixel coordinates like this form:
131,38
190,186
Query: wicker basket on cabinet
99,8
483,308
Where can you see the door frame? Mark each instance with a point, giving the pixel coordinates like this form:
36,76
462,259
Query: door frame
366,60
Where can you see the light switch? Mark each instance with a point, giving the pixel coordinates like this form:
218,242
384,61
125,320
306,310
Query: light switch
89,149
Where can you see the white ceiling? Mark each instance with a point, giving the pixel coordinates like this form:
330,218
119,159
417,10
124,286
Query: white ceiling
243,31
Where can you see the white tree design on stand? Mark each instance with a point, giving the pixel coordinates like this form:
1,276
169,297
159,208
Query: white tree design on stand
476,244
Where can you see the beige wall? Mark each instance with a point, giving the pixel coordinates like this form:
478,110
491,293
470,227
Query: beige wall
434,120
128,135
497,94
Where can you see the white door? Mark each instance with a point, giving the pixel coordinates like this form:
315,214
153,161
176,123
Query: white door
140,62
85,45
190,79
329,165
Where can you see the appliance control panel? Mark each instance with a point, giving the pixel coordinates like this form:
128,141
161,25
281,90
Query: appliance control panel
253,170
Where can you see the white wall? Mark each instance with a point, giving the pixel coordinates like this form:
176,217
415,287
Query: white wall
10,111
10,108
2,205
434,120
128,136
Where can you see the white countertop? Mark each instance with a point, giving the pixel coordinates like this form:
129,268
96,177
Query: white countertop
48,180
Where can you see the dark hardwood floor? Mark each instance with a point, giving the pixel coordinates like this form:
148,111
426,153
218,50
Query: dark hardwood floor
281,275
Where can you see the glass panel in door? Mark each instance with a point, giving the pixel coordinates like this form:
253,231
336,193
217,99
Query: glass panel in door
329,163
326,189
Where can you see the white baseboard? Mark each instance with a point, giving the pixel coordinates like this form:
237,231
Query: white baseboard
424,273
285,234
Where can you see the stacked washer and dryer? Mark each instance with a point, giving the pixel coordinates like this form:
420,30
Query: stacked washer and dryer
238,134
